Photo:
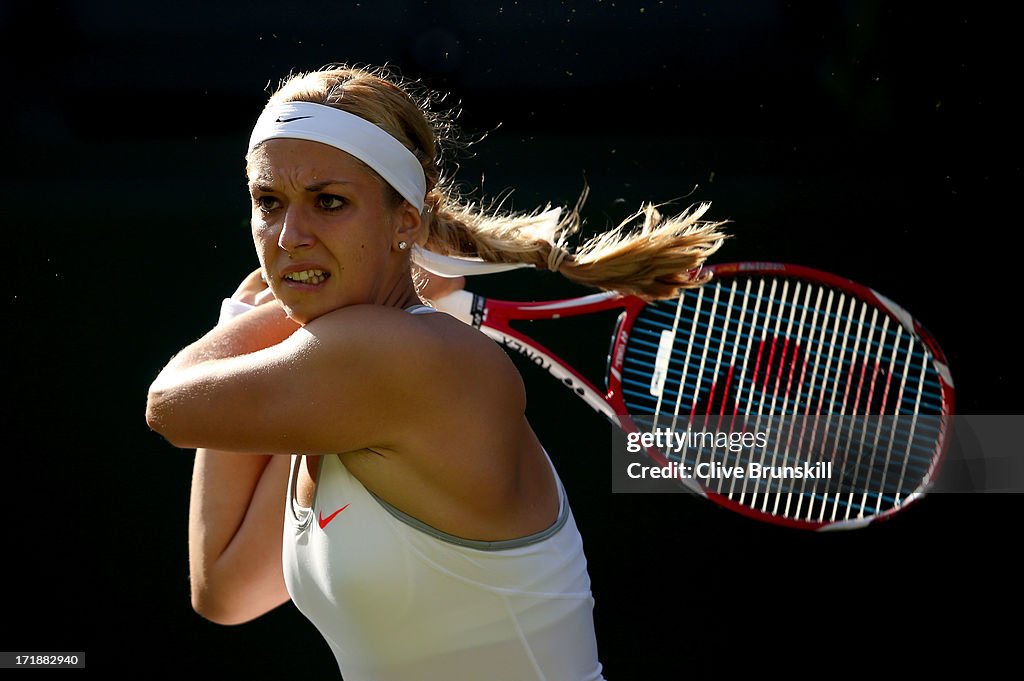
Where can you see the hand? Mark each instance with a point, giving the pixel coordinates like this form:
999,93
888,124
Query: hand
253,290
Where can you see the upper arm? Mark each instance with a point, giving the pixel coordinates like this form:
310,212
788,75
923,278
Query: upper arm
332,386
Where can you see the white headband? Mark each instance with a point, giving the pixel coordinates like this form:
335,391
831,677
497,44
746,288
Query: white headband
319,123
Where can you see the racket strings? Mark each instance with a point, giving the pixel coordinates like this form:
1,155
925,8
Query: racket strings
854,362
829,377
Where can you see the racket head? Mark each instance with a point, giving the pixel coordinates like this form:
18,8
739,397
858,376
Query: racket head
841,374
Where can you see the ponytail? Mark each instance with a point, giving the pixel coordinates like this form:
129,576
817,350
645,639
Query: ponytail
652,260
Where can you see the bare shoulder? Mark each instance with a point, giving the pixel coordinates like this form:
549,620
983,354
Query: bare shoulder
433,349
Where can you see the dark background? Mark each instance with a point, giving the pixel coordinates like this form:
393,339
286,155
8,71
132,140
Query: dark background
873,140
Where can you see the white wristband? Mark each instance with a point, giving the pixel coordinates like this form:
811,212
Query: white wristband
229,309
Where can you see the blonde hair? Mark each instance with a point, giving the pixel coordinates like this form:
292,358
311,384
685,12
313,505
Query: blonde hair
653,261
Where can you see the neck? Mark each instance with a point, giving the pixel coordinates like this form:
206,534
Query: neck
401,295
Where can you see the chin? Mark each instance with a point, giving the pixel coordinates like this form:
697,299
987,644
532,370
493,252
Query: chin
305,316
299,316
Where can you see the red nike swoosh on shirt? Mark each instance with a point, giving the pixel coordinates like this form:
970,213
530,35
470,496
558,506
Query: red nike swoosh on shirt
324,521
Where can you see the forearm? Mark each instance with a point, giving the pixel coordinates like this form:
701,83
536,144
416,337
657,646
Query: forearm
235,524
260,327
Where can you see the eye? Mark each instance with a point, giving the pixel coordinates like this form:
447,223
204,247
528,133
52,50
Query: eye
266,203
330,202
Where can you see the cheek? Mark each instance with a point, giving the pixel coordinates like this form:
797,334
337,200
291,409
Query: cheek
262,234
265,241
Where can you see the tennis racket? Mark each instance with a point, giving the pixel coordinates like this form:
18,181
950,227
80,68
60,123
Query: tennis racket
784,393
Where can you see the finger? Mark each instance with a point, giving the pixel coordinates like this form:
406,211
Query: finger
264,296
251,283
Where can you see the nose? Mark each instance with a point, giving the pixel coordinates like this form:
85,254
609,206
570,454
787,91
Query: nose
296,232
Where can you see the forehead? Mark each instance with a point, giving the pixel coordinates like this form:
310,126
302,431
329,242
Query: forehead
305,160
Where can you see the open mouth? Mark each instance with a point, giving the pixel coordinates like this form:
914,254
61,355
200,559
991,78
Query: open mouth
309,277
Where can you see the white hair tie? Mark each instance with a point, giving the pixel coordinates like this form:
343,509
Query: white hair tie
448,266
543,227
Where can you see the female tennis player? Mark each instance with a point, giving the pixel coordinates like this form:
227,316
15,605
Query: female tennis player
362,454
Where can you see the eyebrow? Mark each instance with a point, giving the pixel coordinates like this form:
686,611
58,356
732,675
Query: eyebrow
312,188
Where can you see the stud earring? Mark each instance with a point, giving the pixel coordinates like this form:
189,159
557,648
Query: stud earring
402,245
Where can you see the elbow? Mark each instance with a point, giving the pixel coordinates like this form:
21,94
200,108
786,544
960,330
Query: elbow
161,418
230,599
217,615
216,610
154,414
158,417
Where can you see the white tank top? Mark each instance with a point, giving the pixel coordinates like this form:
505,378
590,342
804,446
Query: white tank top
398,600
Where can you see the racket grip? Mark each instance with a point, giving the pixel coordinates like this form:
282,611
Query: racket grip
458,304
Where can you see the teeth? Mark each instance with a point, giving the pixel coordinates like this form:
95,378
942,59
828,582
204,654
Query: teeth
307,276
